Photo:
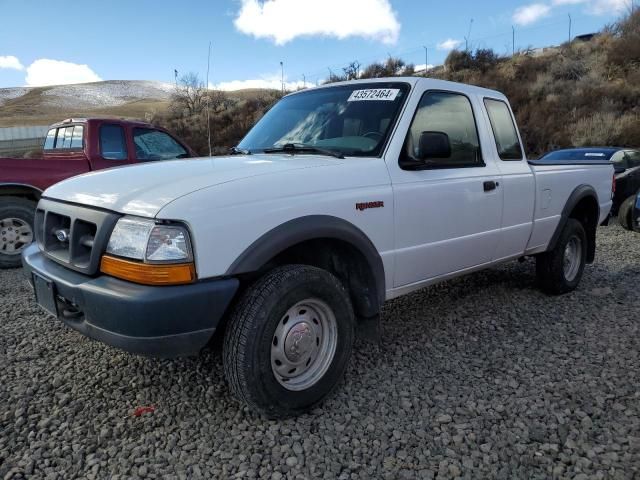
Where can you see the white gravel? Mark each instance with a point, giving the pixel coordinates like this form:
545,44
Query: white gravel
481,377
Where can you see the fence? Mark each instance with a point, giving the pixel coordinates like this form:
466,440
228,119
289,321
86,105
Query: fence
17,141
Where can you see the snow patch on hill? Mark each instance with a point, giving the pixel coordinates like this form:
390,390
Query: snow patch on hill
11,93
95,95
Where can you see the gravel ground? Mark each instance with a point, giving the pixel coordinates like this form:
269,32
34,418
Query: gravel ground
481,377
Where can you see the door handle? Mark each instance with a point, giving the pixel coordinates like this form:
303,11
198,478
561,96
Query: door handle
490,185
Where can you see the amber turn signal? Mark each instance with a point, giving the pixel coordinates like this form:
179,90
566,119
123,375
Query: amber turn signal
148,273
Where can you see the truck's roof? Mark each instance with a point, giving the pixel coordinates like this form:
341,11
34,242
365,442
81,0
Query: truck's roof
428,82
121,121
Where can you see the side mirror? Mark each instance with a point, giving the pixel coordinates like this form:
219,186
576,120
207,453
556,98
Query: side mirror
619,169
434,145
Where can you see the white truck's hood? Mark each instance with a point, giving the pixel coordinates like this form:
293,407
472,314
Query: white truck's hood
145,188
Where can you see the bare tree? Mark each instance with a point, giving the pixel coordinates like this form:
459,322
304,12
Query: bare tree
190,95
352,71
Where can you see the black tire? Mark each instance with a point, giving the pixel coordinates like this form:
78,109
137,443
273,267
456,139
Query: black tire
251,329
23,210
550,265
625,213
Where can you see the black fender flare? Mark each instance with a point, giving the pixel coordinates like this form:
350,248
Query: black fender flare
305,228
579,193
19,189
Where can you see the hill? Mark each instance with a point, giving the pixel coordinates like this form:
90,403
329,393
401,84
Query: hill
582,93
118,98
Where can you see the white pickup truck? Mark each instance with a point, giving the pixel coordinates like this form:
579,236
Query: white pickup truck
341,197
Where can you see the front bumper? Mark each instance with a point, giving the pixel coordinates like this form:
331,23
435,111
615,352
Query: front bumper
156,321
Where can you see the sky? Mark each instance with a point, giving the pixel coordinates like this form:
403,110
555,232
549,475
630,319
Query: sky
48,43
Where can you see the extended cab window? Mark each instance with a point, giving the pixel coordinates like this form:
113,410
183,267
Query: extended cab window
50,141
504,130
64,138
442,117
112,142
156,145
76,138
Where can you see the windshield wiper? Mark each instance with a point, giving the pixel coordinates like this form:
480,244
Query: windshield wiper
301,147
239,151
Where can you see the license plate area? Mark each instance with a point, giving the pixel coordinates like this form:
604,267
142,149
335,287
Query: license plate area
45,294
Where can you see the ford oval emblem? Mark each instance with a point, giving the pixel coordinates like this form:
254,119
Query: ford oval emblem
62,235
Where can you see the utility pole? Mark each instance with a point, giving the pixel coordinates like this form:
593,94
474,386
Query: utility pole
468,37
513,41
282,77
304,81
175,75
569,27
426,60
208,99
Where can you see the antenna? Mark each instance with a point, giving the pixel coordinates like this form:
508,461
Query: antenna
282,76
426,59
208,99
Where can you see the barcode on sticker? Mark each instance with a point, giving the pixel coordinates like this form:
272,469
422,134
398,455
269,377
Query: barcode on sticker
384,94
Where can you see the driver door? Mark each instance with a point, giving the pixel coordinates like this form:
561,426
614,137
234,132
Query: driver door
447,210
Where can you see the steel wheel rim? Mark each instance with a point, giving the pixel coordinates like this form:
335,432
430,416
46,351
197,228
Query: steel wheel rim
304,344
572,258
15,235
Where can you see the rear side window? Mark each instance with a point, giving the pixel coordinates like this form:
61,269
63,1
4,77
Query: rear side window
626,159
64,138
156,145
452,114
112,142
634,158
50,141
76,138
504,130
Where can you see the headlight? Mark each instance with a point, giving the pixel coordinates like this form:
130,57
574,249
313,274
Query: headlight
144,240
160,254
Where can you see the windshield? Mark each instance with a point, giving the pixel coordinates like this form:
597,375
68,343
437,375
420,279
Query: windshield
352,119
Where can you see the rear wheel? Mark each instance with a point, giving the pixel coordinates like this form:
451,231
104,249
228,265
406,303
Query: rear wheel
625,213
289,340
560,270
16,229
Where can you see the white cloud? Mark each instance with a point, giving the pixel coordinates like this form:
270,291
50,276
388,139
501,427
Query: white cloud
568,2
449,44
11,62
420,67
56,72
531,13
285,20
267,82
605,7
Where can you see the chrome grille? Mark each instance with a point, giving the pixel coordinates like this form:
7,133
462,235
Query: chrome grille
73,235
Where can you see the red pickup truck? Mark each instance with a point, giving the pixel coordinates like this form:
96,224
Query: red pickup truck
72,147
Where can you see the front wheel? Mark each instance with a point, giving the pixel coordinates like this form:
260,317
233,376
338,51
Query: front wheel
289,340
16,229
560,270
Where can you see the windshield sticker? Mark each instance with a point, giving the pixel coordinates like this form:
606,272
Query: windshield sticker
594,154
374,94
